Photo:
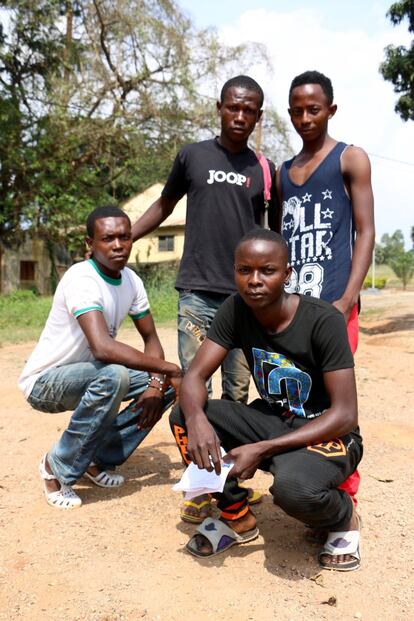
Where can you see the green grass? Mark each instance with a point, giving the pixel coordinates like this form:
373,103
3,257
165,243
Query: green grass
163,303
23,314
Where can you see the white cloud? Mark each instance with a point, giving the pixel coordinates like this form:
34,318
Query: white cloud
299,40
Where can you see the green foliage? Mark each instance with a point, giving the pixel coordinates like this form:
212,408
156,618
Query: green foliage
159,281
380,283
403,267
23,314
95,100
398,66
391,252
390,247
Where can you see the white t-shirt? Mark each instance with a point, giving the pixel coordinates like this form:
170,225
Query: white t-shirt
83,288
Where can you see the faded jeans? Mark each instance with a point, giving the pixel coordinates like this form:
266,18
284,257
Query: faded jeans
196,310
96,432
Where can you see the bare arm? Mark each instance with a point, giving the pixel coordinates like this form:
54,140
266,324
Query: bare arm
203,442
151,399
339,419
108,350
146,328
356,169
152,218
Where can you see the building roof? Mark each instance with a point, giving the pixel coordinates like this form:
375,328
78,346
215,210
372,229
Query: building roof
137,205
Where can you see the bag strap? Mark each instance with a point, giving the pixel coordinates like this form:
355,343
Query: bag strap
267,179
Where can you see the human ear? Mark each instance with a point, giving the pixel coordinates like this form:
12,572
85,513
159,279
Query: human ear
332,110
288,274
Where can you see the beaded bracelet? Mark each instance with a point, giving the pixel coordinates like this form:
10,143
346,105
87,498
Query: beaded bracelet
157,379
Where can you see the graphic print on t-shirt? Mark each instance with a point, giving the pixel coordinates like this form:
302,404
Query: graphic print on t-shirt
233,178
308,233
280,382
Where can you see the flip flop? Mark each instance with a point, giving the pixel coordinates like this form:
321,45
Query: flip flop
220,536
319,536
339,543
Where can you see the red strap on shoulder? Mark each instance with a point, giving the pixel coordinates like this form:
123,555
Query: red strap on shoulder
267,177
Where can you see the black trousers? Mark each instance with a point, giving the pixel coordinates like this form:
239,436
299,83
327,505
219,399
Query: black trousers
305,480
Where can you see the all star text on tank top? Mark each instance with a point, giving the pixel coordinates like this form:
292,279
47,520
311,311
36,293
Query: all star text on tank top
318,227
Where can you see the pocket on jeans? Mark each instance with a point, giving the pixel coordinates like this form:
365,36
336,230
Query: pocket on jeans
189,323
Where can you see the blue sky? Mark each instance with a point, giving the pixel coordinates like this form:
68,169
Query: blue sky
345,40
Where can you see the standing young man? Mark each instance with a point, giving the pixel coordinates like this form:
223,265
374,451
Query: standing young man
79,365
303,429
327,203
224,184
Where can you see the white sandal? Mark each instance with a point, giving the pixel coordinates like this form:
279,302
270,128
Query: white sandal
63,498
104,479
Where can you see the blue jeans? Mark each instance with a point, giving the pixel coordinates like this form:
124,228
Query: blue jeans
196,310
96,432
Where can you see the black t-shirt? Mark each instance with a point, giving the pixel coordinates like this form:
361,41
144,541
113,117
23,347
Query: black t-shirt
288,367
224,201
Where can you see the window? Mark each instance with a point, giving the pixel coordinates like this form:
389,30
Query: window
165,243
27,271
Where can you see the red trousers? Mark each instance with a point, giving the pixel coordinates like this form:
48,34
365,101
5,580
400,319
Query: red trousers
351,484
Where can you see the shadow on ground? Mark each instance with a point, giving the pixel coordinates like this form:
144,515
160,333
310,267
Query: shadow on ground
399,324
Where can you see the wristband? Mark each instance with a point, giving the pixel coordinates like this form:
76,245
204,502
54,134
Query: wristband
156,379
156,387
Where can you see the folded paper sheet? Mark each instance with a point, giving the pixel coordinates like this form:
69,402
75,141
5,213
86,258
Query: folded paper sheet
196,482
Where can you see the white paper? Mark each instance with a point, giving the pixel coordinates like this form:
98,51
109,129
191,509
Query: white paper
196,481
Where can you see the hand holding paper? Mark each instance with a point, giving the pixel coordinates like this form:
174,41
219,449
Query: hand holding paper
196,481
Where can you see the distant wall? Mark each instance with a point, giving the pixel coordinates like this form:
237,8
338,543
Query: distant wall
25,268
164,244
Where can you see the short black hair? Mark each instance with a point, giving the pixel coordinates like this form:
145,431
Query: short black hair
314,77
242,81
265,235
105,211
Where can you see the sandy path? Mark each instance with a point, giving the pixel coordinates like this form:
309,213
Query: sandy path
120,556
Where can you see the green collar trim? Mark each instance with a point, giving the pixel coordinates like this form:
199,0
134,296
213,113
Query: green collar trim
108,279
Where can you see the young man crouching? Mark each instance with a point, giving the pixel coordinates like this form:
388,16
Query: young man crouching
79,365
303,429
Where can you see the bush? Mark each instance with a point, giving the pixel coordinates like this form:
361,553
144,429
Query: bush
159,282
22,315
380,283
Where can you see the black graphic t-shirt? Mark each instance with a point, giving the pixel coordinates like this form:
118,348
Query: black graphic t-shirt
224,201
288,367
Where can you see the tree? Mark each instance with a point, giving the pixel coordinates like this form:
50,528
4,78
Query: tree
96,96
398,67
403,267
391,246
392,253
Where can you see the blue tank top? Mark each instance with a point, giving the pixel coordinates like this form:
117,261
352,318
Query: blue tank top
317,224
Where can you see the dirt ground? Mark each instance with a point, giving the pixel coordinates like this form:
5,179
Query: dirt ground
120,557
